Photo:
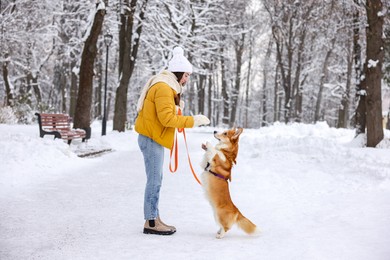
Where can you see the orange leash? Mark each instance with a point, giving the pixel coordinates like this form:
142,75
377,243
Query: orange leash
174,151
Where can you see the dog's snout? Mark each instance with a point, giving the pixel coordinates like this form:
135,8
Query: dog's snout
215,132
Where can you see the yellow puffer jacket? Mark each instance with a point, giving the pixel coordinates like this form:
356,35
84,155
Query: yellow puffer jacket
158,119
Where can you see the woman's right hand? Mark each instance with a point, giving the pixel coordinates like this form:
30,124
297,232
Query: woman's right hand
201,120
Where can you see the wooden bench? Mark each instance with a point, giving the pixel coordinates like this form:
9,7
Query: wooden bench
59,125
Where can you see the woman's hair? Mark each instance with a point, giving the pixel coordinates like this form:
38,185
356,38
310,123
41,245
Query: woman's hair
178,75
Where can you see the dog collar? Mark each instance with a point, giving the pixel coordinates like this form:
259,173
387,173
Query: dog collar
217,175
214,173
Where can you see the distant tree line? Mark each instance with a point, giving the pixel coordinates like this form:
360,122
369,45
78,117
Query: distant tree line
255,62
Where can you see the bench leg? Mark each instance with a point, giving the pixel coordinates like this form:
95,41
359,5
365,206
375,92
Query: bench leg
69,141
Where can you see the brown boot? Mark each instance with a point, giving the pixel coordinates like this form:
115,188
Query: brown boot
171,227
155,227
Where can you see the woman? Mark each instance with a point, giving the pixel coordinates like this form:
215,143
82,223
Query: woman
156,123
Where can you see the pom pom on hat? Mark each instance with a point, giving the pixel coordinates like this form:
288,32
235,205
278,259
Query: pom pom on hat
179,63
178,51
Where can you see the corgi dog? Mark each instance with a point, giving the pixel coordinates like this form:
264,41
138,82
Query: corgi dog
217,164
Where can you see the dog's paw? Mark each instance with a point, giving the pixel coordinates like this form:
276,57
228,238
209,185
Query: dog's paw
209,146
220,234
203,163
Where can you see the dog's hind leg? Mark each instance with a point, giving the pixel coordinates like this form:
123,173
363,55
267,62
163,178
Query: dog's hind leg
221,233
225,223
223,229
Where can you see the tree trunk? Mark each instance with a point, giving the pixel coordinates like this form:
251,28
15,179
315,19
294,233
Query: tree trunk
263,103
82,118
128,60
263,118
58,92
201,93
276,93
248,80
373,69
63,86
288,83
323,79
360,112
225,96
98,105
8,91
344,107
210,97
239,49
284,77
297,90
122,33
73,89
32,82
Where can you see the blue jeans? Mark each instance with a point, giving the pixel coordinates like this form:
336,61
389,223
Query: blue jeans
154,159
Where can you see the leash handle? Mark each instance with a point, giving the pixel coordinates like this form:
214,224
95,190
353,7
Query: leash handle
174,151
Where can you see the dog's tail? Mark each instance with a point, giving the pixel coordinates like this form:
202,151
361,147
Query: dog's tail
246,225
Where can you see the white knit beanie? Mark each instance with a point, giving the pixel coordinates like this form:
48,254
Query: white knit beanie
179,63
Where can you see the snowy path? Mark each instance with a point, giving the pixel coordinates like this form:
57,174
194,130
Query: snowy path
312,199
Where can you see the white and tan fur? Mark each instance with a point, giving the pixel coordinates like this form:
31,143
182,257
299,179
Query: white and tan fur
219,161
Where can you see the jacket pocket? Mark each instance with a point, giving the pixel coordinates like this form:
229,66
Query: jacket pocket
163,132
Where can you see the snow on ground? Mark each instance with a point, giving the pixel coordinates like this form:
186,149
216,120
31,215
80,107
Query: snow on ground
314,192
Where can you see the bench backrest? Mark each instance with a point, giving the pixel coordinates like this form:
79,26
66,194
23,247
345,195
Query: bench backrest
55,121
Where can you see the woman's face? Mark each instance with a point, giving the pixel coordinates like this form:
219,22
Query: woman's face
185,78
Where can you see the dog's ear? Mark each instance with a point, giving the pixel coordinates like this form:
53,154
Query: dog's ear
237,133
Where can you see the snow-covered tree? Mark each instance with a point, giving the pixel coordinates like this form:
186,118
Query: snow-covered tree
131,17
27,46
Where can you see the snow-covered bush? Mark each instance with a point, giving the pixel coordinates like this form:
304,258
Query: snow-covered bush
7,116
